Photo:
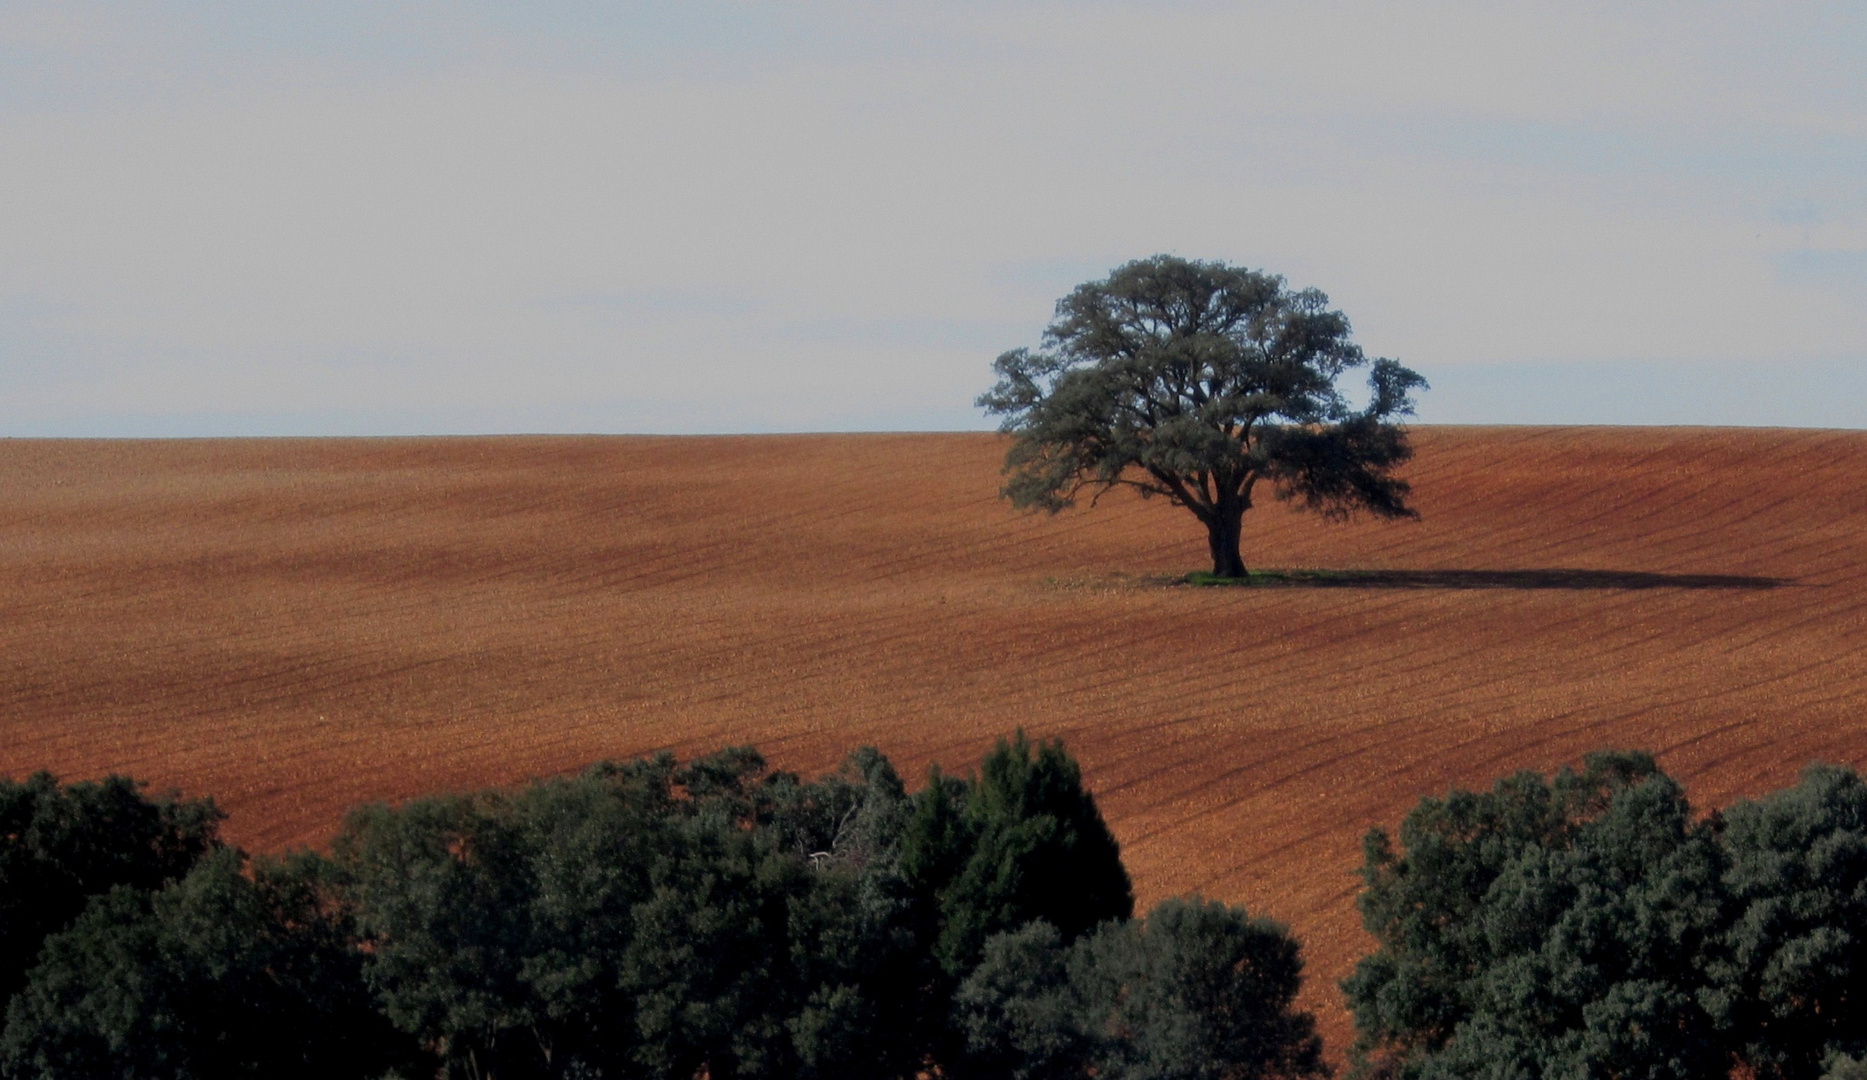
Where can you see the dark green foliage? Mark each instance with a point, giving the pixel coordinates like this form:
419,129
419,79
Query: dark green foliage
1793,971
218,975
444,898
871,1004
1197,991
706,967
648,920
1022,841
1589,926
61,845
940,837
1197,381
1201,991
1545,928
1022,1015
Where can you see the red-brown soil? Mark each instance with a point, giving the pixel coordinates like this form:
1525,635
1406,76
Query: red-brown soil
295,626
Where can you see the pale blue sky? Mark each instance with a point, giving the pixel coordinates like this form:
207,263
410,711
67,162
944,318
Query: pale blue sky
234,218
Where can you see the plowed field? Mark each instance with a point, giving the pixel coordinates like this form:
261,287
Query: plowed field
294,626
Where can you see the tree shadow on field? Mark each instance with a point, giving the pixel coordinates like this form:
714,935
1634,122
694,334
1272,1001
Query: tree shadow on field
1552,578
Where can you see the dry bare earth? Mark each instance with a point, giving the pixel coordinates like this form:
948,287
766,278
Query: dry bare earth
297,626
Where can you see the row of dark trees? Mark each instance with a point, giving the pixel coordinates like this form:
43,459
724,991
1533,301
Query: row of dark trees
719,919
644,919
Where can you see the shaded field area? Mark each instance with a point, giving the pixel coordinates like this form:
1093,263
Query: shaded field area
296,626
1487,579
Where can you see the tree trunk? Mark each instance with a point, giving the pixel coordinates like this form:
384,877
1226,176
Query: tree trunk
1222,535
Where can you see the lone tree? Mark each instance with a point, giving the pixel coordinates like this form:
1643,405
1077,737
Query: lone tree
1196,381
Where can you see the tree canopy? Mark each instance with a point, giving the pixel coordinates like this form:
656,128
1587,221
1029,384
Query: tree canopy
1021,841
1592,925
1792,970
646,919
1198,990
659,919
651,919
232,971
62,844
1197,381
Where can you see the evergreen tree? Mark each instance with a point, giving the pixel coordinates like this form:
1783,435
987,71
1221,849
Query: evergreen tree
1022,841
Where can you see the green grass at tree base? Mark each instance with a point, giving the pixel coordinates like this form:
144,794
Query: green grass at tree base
1274,577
